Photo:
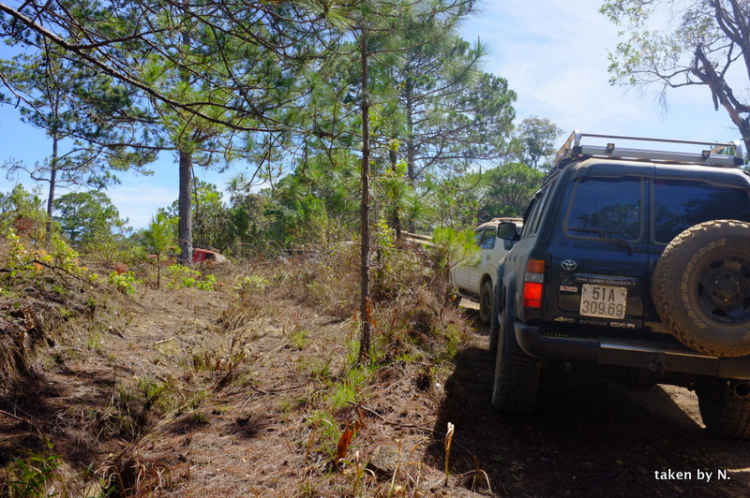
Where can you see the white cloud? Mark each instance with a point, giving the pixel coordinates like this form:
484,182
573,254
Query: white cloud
554,55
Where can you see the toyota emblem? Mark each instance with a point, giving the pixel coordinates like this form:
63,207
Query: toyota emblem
569,265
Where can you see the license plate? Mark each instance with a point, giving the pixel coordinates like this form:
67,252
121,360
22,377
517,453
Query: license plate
605,301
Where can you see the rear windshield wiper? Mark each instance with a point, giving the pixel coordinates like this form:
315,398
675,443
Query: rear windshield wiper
606,235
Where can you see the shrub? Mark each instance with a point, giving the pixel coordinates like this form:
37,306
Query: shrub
124,282
182,277
25,262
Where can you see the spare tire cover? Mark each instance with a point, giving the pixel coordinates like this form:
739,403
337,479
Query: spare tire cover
701,287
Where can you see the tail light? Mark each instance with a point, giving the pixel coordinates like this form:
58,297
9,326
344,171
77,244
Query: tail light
533,284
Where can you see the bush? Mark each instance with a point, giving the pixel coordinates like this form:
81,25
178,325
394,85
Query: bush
123,282
26,263
182,277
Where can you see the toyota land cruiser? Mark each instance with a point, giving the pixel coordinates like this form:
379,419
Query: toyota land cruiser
637,262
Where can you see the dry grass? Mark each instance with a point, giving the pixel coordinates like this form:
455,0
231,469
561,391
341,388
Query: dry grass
245,391
253,390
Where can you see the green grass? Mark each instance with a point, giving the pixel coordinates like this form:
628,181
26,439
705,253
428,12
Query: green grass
32,474
94,341
300,338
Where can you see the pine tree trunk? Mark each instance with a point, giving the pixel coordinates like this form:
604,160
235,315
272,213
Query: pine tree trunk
395,217
365,304
410,152
52,185
185,224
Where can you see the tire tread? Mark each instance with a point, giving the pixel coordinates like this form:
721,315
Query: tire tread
668,272
517,387
724,413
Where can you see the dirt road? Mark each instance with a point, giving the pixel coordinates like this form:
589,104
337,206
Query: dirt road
588,437
256,435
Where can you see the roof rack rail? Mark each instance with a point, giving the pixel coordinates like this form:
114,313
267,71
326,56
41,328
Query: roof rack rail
502,219
714,156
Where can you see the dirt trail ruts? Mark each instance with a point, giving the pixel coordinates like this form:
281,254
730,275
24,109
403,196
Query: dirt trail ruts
588,437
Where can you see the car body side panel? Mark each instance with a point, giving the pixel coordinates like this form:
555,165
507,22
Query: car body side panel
469,278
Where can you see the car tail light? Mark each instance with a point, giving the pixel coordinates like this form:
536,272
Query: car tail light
533,284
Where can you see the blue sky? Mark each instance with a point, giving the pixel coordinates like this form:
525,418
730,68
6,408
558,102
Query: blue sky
553,54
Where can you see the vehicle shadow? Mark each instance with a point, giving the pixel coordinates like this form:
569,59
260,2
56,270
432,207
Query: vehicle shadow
587,437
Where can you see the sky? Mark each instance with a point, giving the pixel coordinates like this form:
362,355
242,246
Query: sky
553,54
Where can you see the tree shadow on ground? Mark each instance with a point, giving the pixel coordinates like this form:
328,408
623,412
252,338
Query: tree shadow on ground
587,437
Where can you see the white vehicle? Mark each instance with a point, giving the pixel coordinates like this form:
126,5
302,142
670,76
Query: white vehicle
494,238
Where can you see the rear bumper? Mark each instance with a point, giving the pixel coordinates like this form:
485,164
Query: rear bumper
661,358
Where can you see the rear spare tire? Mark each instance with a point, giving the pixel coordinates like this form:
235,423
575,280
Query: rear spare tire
701,287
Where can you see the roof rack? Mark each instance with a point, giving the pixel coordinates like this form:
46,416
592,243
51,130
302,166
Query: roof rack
715,156
509,219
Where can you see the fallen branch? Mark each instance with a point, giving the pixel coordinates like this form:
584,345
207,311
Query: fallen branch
25,421
385,420
173,338
58,269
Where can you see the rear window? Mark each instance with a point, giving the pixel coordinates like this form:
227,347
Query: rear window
606,206
488,239
680,204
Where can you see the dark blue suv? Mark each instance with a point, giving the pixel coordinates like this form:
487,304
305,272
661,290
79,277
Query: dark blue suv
636,261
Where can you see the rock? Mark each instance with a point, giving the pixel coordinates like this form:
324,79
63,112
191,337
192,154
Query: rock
386,457
92,490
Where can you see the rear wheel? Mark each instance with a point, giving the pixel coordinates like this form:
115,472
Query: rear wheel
724,413
485,303
494,322
516,381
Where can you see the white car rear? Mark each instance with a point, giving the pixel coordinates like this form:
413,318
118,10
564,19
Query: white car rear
494,238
